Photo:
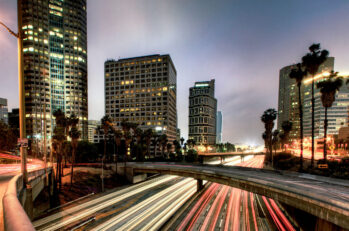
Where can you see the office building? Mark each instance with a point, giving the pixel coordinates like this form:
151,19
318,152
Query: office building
288,104
142,90
202,113
288,109
3,110
219,127
92,129
55,63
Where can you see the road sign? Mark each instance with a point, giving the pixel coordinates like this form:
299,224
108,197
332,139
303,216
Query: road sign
324,166
22,142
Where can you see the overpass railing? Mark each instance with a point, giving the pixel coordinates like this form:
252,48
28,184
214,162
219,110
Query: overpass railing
15,217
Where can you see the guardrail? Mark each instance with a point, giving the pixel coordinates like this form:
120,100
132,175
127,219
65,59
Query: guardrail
15,218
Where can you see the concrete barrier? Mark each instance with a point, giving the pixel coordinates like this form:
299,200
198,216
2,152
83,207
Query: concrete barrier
17,201
15,218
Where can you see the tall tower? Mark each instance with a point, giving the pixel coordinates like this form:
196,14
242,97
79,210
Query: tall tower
142,90
288,103
202,113
55,63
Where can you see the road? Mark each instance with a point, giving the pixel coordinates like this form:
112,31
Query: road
221,207
144,206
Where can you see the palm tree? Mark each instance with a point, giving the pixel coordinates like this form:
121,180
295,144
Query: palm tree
312,61
105,125
148,135
268,118
298,74
286,128
163,142
168,147
275,140
117,137
155,141
58,138
328,89
74,134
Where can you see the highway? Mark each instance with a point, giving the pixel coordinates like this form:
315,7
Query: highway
220,207
149,205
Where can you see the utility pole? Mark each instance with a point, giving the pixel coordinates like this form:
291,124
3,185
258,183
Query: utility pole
22,128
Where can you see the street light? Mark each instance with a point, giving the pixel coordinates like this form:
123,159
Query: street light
19,37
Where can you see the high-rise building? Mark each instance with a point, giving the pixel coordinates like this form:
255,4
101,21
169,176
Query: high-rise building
219,127
92,128
288,103
142,90
3,110
335,115
55,63
202,112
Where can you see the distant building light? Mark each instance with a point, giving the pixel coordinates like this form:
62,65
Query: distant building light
201,85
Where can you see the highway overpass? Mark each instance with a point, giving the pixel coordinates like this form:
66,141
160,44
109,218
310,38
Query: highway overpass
325,198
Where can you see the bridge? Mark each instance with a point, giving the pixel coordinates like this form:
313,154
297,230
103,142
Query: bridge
324,198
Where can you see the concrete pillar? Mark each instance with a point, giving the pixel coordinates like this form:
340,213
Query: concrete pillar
199,185
28,205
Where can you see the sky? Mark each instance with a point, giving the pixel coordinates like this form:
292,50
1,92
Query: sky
242,44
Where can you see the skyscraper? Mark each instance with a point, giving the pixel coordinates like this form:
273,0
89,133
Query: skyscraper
142,90
92,129
202,113
219,127
55,63
288,104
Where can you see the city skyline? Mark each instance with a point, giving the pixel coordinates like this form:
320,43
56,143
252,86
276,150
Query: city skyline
205,41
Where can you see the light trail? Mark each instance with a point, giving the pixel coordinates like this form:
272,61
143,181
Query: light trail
240,212
155,200
78,212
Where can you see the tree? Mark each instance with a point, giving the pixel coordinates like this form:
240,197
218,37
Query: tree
117,137
8,137
298,74
168,147
74,134
286,128
59,136
163,142
312,61
105,121
148,135
275,141
268,118
155,141
328,89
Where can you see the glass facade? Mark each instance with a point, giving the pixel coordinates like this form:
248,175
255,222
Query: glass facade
55,63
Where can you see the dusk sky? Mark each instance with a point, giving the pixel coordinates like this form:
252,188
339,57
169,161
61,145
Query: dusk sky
240,43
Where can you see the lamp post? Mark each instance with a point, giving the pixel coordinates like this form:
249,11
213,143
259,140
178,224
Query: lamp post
19,37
